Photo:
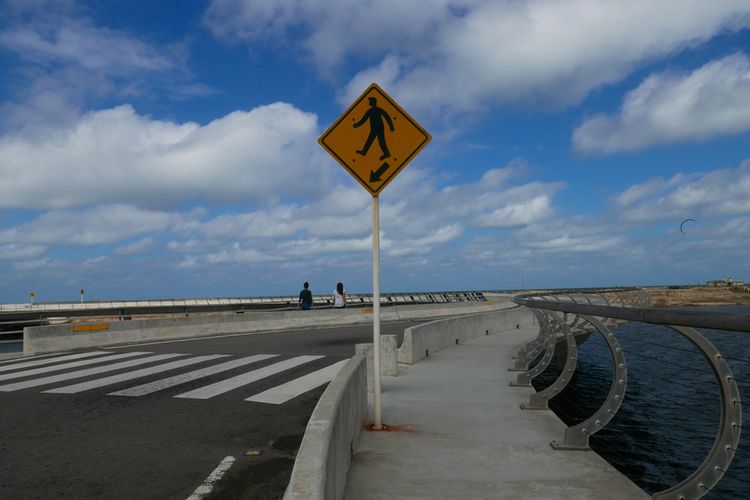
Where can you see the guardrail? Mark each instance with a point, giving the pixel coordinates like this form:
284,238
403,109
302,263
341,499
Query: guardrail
236,303
219,304
565,313
14,317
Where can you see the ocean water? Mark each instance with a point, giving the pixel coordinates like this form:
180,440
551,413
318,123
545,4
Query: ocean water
14,346
670,415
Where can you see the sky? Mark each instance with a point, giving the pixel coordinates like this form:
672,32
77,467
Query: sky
169,149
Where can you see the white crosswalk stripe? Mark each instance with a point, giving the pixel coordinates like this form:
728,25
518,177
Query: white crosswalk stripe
290,390
65,366
141,390
47,361
143,372
85,373
21,357
230,384
114,368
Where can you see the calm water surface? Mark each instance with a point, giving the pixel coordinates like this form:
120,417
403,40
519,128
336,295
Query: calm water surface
669,418
11,346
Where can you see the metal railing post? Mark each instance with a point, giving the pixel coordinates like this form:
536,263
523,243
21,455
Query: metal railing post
524,379
716,463
577,436
540,400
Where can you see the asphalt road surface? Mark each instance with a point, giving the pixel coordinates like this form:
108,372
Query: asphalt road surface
153,420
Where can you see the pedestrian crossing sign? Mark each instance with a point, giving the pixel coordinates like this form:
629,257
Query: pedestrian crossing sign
374,139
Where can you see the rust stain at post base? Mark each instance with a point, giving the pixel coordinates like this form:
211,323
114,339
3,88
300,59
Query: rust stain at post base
389,428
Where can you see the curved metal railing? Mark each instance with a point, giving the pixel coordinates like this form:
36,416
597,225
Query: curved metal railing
568,315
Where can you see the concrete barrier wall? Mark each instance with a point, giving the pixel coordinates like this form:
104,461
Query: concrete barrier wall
323,460
388,359
324,456
42,339
421,340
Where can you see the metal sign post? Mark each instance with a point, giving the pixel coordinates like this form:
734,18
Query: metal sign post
376,309
374,139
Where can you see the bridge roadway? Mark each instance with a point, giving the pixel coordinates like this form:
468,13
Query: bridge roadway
64,433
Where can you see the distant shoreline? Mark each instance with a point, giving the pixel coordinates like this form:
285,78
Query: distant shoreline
696,296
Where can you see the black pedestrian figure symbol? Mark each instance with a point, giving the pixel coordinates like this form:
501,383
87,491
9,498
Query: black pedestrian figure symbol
375,115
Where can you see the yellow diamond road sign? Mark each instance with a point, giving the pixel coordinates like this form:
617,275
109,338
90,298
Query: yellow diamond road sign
374,139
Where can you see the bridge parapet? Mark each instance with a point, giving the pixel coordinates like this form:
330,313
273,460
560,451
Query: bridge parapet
563,313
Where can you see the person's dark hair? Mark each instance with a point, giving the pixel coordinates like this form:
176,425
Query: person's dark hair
306,285
340,288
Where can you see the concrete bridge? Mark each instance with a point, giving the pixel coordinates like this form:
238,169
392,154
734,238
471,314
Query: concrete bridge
460,424
461,418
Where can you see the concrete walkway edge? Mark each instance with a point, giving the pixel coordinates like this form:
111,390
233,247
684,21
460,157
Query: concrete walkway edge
457,431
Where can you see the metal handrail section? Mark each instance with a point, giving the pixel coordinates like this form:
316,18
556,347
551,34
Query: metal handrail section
529,352
727,439
656,316
217,302
551,310
577,436
524,379
540,400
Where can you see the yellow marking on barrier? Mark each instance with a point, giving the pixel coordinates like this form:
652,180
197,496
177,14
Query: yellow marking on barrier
489,302
91,328
367,309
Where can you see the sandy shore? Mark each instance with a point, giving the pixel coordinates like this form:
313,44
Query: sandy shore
696,296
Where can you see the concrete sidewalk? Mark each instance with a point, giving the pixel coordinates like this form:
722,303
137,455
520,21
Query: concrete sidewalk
458,432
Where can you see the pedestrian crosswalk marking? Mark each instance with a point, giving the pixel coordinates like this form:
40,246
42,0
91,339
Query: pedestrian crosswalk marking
290,390
41,370
47,361
65,366
21,357
141,390
229,384
122,377
85,373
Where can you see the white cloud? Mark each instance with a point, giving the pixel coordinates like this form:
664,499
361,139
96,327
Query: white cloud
570,236
66,63
723,192
669,107
335,29
235,254
89,47
473,54
20,251
31,265
92,226
419,219
423,245
136,247
191,245
518,214
117,156
736,228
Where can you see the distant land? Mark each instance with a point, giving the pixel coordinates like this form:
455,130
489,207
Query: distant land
696,296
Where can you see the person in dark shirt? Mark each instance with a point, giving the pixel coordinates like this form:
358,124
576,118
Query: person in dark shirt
305,298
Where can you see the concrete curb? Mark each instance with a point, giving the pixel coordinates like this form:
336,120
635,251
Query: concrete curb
324,456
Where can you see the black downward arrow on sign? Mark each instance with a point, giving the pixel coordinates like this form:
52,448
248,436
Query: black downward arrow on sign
375,176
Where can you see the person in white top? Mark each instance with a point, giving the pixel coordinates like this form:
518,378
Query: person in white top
339,296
